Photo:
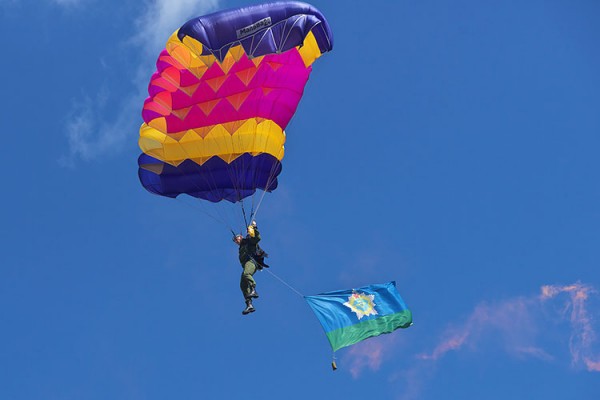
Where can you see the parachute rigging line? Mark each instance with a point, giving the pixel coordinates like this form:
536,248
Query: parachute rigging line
284,282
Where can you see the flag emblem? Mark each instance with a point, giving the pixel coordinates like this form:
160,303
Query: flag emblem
361,304
341,313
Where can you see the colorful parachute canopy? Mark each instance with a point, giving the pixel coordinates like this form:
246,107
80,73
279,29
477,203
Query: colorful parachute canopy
225,88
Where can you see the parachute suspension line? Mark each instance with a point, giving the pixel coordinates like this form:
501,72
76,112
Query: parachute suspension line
219,220
253,177
222,217
218,214
223,149
267,187
252,213
259,203
244,212
252,210
284,282
238,179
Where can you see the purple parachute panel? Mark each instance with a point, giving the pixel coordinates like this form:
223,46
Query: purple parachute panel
214,181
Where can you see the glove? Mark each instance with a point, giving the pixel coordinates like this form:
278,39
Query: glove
253,224
251,231
261,265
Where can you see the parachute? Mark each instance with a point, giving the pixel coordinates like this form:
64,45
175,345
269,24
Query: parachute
226,86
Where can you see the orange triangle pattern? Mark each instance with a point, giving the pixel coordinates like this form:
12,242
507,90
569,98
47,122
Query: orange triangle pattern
198,71
274,65
227,63
238,99
258,60
177,135
190,90
203,131
237,52
182,113
232,127
208,106
247,75
216,83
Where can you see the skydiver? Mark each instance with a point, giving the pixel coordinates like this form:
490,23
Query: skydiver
251,258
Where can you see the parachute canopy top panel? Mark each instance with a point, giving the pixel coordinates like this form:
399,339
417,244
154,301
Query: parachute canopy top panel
260,29
225,88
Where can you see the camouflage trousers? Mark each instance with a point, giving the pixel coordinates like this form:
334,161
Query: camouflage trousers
247,282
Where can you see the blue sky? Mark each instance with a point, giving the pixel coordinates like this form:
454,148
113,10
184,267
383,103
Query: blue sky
457,155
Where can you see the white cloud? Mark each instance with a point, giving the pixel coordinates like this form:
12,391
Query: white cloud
163,17
67,3
90,132
91,135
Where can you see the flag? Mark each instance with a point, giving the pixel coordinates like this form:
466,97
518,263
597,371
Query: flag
349,316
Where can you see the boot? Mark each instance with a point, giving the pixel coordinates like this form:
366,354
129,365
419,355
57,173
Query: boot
249,307
253,294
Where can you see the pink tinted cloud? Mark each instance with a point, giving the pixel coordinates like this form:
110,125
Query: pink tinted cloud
576,310
535,352
369,354
500,317
518,324
454,342
518,321
592,365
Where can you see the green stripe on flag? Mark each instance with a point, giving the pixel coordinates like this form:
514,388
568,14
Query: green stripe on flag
349,335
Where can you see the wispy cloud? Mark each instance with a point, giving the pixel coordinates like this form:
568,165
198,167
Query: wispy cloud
512,320
575,310
369,354
68,3
163,17
516,324
522,327
533,352
592,365
8,3
91,132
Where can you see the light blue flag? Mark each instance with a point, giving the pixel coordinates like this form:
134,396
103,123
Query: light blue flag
349,316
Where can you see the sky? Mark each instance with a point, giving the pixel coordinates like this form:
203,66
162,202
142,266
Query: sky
451,147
